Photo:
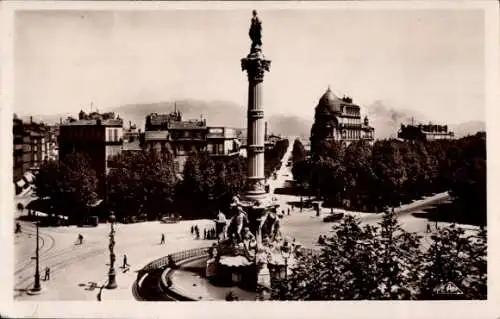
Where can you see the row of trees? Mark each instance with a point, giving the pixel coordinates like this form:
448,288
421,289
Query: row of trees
385,262
369,178
146,184
274,155
208,184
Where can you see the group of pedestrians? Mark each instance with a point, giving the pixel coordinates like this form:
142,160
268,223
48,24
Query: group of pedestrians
288,212
209,234
195,231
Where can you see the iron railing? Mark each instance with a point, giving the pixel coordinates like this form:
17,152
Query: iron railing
177,257
163,262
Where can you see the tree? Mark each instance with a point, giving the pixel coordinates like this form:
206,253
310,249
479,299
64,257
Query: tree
456,258
359,175
273,156
70,185
387,263
399,260
80,185
48,180
468,183
298,151
209,184
345,269
356,263
142,183
159,183
390,172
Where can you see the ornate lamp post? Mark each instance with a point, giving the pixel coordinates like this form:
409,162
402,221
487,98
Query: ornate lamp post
111,274
37,288
286,252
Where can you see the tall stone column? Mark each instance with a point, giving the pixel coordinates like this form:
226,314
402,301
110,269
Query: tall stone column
255,65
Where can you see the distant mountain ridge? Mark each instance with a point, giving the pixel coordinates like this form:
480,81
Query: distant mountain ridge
468,128
223,113
384,118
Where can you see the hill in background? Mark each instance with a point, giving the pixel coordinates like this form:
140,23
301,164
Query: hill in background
385,119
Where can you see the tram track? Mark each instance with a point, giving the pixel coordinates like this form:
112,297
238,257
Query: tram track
46,244
57,262
55,266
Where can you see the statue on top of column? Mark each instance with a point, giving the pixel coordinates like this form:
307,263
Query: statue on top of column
255,32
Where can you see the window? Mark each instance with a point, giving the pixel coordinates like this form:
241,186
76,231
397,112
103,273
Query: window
210,148
116,135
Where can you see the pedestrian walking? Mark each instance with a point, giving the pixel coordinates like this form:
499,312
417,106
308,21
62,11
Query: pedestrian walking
288,211
197,232
47,274
192,230
18,228
80,239
125,261
205,234
162,239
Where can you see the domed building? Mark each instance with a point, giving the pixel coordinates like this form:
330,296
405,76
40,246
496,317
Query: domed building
339,119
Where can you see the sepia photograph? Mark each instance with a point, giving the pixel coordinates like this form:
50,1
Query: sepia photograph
248,152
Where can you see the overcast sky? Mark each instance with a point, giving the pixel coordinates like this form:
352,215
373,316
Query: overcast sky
427,60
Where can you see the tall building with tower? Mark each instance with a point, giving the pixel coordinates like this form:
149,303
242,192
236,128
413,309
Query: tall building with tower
339,119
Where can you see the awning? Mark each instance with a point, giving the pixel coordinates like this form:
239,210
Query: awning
96,203
21,183
29,177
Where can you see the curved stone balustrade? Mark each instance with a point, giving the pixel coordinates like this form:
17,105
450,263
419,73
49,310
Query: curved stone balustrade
161,268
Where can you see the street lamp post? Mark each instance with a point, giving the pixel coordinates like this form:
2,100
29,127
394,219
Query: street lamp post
286,252
37,288
111,273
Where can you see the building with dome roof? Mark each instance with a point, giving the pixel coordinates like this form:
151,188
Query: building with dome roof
339,119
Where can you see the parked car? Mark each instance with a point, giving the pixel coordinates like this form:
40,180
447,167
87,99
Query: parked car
169,220
333,217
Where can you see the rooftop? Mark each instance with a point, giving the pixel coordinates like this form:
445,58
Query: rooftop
108,122
188,125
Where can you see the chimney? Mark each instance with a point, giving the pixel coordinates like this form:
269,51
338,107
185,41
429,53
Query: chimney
130,124
60,120
31,119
